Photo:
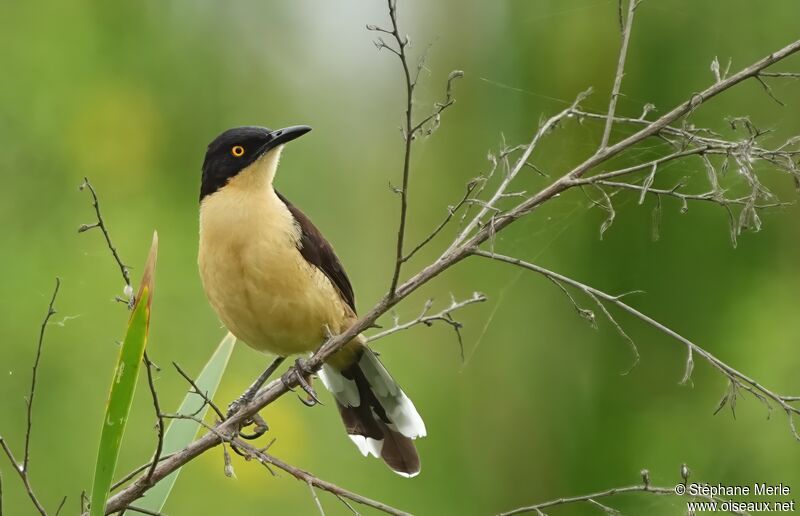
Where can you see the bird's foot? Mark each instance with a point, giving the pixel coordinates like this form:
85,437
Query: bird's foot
237,405
303,375
260,426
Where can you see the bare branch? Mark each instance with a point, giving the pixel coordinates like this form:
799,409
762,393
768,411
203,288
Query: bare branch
410,129
491,204
768,90
159,420
623,54
119,483
408,137
23,469
641,166
451,211
200,393
790,75
124,270
713,144
60,506
304,476
51,311
439,107
426,318
707,197
737,378
133,508
591,498
316,499
267,460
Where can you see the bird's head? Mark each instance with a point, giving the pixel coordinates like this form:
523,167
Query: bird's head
245,150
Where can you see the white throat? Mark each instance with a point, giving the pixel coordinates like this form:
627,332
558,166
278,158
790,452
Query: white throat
259,174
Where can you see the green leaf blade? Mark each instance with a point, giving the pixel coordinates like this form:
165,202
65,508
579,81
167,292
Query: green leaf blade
123,386
119,403
181,432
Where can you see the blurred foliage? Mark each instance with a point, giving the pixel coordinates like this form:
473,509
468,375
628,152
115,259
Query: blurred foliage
130,93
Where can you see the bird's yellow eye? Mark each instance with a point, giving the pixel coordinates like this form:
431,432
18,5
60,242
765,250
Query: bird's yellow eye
237,150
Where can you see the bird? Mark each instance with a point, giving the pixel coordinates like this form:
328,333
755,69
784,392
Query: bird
276,284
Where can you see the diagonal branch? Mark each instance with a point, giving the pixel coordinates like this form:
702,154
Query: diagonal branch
458,252
500,193
451,211
734,376
308,478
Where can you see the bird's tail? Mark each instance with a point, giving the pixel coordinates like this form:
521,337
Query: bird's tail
378,416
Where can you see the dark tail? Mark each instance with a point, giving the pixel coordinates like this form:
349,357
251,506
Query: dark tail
378,416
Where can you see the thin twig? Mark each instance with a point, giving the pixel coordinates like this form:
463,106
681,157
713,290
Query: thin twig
50,312
124,270
23,469
140,510
500,192
737,378
159,420
308,478
708,196
451,211
200,393
316,498
694,136
60,506
591,498
408,135
623,54
426,318
135,472
410,129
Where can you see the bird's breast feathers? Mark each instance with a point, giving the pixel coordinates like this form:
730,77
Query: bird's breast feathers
255,277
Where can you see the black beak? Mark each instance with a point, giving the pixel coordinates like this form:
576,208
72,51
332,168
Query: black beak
285,135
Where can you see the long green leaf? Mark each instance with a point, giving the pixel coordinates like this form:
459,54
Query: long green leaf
182,431
123,386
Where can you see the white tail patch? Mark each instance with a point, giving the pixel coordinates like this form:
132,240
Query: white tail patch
367,445
399,408
403,418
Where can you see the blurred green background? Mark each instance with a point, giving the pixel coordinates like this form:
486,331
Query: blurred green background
130,93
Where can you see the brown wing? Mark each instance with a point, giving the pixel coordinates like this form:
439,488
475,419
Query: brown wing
319,253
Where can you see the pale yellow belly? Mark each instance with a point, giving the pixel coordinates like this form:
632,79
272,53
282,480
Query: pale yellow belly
262,288
272,301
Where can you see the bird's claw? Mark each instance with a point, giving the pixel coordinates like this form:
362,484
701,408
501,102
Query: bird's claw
236,405
261,426
303,375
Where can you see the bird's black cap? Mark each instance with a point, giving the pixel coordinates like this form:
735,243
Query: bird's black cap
237,148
